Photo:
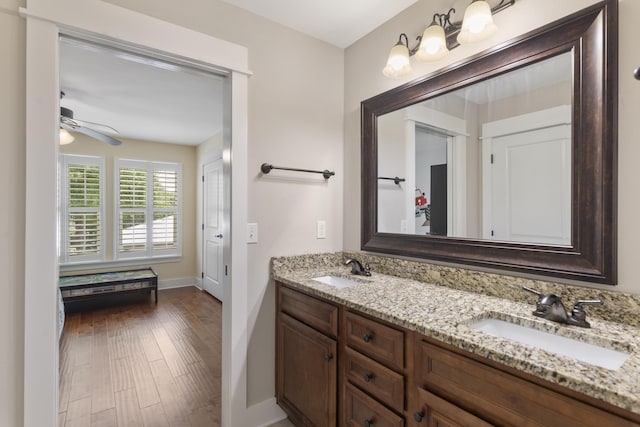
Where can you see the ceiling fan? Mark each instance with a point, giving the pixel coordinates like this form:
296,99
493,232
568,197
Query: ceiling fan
68,122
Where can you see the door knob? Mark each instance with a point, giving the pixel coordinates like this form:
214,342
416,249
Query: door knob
219,236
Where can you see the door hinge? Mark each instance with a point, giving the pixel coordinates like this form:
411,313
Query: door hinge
492,159
203,227
202,178
202,274
226,270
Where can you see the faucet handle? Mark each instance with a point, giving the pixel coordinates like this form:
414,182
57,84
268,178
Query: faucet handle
578,316
533,291
367,269
582,302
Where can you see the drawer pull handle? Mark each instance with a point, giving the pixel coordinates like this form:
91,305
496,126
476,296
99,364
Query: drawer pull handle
368,377
367,337
418,416
328,357
369,422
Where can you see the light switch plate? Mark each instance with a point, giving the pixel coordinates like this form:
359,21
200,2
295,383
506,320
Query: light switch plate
321,229
252,232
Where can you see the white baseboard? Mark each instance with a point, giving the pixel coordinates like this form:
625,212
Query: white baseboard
176,283
264,414
198,283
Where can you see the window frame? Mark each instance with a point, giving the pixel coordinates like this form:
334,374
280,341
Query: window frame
150,167
66,159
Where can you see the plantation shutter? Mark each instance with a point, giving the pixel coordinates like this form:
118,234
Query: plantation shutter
165,209
149,209
132,219
82,209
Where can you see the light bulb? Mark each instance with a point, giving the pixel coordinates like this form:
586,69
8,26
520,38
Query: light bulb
65,137
398,64
433,45
477,24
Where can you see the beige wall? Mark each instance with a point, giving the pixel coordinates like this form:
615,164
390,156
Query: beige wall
185,271
363,78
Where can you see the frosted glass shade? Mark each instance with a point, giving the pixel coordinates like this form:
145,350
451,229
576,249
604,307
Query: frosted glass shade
398,64
433,45
65,137
477,24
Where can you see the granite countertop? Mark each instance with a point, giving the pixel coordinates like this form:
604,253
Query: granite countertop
445,314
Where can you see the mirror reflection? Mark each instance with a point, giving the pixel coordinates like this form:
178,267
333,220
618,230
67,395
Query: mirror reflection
490,161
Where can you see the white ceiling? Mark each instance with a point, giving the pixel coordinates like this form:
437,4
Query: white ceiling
154,101
338,22
141,98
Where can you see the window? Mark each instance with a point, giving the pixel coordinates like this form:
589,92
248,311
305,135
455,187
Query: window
82,208
148,209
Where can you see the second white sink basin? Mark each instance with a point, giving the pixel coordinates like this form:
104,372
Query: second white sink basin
337,281
585,352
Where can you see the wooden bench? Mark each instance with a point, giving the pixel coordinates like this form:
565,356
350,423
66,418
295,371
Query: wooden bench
86,286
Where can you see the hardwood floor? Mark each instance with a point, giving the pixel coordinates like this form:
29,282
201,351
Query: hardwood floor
140,364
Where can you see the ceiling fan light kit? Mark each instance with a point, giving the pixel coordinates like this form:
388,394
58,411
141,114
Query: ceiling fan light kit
65,137
442,35
68,123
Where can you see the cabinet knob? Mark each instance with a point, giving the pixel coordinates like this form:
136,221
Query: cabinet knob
328,357
418,416
367,337
369,422
368,377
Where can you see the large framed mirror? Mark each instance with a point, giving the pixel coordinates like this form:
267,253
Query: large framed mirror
506,161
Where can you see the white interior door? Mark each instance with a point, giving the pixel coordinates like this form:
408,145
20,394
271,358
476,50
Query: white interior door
212,262
527,209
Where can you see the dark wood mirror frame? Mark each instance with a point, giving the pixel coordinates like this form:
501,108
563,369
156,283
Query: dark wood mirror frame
592,36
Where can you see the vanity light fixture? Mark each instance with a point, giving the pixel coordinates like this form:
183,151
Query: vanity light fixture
442,35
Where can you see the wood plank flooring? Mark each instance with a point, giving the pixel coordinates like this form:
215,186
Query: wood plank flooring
140,364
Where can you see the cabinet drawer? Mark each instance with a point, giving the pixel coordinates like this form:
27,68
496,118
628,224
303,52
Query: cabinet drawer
316,313
381,342
437,412
361,410
499,397
377,380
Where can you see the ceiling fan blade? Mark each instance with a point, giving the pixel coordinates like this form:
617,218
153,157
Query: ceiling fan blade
106,128
92,133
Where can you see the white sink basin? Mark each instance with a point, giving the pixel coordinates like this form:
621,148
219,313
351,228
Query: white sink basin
337,281
584,352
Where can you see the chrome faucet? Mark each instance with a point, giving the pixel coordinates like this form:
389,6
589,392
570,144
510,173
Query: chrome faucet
358,268
550,307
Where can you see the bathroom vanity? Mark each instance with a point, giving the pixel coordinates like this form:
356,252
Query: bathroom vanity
393,351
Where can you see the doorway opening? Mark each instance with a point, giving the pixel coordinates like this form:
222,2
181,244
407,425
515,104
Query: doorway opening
139,206
99,21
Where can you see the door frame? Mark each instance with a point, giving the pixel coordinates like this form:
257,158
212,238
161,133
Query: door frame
115,26
456,129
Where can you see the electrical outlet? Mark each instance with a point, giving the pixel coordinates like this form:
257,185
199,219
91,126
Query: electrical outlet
252,232
321,229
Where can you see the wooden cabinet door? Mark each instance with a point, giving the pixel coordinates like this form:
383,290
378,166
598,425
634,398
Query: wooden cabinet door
437,412
306,374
